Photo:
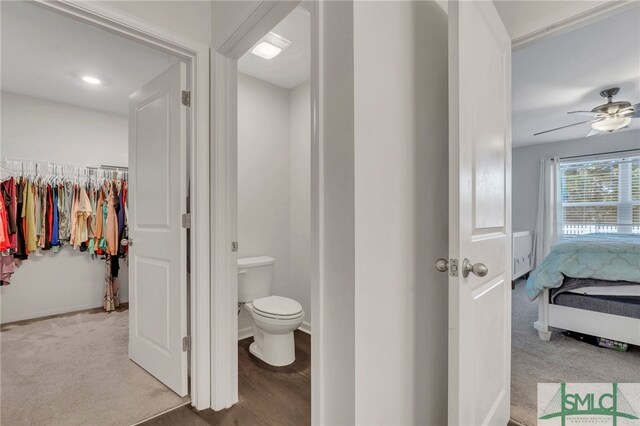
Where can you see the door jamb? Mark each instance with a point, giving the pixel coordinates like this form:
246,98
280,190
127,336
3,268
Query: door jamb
571,18
197,56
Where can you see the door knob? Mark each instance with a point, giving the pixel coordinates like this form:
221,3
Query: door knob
442,265
478,269
127,241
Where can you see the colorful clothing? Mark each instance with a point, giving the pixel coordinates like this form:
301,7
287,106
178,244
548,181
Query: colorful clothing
111,286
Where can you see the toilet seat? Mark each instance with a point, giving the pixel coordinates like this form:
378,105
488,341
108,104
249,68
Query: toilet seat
277,307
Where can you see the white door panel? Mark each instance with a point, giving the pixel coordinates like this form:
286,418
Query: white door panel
157,194
480,161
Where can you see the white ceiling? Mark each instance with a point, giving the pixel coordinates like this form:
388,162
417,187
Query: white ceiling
566,73
43,53
293,66
522,17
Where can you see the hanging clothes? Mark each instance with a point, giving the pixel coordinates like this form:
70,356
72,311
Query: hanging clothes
55,228
82,218
66,195
48,218
111,285
29,219
5,244
99,221
105,214
21,251
112,221
46,212
8,189
7,269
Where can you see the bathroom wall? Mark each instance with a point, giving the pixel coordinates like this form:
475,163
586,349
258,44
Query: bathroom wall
35,129
273,184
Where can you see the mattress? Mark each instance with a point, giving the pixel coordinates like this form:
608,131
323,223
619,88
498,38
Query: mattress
613,257
612,290
628,306
609,297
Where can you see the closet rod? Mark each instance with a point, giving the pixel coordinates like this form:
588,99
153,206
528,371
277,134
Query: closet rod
37,163
106,167
601,153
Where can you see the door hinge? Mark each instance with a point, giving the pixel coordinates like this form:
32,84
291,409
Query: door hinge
186,343
186,220
234,246
186,98
453,267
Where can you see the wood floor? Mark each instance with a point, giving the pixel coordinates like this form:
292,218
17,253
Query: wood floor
268,395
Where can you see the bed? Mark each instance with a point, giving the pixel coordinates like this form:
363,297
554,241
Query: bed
590,284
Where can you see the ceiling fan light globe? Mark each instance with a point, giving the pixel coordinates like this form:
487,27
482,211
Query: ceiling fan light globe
610,124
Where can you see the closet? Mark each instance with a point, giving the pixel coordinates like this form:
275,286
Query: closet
53,208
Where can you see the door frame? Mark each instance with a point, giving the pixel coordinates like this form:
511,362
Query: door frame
255,23
196,54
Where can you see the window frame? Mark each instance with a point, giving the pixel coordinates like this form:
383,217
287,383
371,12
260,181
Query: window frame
624,204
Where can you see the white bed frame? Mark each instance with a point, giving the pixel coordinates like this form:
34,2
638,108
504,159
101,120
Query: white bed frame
614,327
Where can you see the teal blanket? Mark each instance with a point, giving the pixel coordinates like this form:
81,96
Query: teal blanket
610,257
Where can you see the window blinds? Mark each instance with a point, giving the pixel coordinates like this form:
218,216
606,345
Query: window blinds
601,196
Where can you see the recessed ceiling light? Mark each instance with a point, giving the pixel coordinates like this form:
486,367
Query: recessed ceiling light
91,80
266,50
270,46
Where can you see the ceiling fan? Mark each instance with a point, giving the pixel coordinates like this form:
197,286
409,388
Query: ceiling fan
607,117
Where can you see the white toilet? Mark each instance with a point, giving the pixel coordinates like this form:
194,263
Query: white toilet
274,318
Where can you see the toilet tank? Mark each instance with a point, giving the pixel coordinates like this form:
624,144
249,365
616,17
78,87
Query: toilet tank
255,275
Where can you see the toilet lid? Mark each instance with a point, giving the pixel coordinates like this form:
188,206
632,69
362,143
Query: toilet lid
277,305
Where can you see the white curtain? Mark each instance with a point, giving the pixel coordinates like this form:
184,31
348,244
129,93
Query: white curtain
549,219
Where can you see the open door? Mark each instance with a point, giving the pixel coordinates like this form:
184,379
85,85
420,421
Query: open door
157,252
479,215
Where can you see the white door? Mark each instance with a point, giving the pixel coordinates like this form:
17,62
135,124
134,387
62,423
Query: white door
157,198
479,215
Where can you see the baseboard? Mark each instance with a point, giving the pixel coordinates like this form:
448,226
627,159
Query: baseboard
243,333
246,332
306,327
54,312
182,404
50,312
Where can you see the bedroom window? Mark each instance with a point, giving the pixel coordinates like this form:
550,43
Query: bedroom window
601,196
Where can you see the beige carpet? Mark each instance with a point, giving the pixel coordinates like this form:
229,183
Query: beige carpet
74,370
562,359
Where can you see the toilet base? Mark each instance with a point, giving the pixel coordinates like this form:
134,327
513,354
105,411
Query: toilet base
276,350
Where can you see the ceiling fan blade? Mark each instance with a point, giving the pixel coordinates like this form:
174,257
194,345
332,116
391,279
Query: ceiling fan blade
632,112
587,113
593,132
563,127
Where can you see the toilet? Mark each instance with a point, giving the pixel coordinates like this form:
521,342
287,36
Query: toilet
274,318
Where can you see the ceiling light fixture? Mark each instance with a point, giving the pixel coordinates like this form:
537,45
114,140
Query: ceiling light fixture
270,46
91,80
610,124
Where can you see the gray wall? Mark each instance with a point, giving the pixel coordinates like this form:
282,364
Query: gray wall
526,161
